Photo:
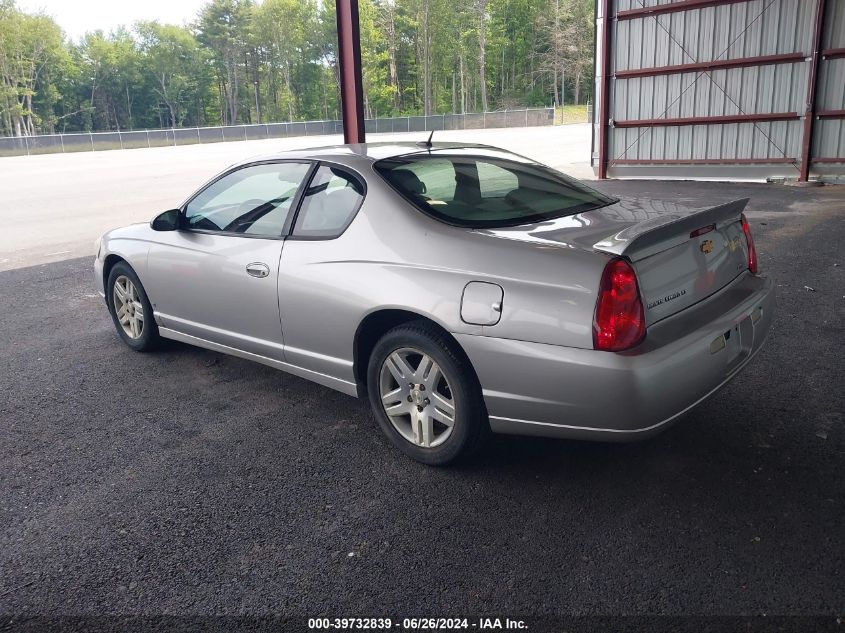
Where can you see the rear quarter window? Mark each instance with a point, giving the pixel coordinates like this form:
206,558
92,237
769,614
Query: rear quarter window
329,204
487,191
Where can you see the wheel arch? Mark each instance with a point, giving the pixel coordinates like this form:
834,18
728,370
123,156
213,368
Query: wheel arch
377,323
109,263
113,259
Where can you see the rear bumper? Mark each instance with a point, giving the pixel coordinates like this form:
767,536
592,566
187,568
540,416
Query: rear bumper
548,390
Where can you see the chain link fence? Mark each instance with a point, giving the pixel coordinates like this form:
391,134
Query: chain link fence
100,141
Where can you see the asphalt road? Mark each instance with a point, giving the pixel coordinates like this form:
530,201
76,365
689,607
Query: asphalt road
189,483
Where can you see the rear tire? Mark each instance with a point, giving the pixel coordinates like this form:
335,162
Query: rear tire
425,395
130,309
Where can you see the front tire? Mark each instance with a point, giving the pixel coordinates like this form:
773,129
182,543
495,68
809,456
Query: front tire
130,309
425,395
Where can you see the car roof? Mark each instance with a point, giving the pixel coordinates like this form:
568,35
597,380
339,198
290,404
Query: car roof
370,151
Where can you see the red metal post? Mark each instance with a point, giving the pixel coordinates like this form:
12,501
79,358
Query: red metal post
810,110
349,67
604,107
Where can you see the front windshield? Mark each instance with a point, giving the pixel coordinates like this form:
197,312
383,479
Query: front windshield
489,189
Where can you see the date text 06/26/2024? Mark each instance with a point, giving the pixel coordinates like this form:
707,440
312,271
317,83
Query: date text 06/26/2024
416,624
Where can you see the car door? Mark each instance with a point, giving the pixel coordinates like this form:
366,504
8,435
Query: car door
216,277
312,276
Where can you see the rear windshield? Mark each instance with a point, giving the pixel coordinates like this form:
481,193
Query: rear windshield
491,190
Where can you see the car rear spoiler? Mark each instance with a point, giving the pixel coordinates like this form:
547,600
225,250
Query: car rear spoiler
666,231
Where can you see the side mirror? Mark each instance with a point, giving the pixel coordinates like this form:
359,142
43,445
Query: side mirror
167,221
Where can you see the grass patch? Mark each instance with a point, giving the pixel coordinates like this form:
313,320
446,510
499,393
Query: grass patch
571,114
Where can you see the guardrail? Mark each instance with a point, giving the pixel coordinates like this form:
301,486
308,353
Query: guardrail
101,141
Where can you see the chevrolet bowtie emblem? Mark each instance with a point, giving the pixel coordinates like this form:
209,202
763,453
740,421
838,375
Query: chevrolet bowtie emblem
707,246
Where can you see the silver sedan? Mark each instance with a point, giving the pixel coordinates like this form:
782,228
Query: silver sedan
461,288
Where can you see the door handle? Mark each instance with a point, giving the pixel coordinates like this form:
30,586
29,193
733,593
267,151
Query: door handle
257,269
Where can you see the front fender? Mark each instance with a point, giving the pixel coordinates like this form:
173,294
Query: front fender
128,244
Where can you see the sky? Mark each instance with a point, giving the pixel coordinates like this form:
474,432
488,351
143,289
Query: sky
78,16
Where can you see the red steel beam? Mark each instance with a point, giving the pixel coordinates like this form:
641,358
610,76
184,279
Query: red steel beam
672,7
604,109
703,161
812,81
708,120
833,53
763,60
349,67
830,114
831,159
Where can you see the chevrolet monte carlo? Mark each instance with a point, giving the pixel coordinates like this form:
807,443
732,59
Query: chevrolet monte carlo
461,288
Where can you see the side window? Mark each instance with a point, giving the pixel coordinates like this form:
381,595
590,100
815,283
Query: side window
329,204
254,200
495,181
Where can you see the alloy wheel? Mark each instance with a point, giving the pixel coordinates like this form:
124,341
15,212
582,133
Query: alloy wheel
417,397
128,307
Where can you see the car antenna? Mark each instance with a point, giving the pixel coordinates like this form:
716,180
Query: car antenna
428,142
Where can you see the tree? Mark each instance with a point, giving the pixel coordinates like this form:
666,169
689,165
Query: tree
274,60
579,58
176,64
387,21
223,28
482,46
28,45
566,44
284,27
113,66
379,94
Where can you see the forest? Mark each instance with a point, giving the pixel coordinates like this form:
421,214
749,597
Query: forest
251,61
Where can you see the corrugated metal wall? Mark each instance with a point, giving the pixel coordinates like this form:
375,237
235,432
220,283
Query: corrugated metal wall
697,88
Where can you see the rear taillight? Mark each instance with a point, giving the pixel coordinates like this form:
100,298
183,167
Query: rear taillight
619,321
752,252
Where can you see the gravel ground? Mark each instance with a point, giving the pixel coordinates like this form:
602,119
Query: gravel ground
192,484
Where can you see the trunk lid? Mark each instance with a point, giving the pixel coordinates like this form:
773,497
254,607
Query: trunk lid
681,255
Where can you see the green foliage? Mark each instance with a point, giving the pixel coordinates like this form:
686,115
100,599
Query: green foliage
285,34
248,61
177,68
31,46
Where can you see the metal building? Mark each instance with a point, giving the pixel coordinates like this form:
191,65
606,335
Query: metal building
720,89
